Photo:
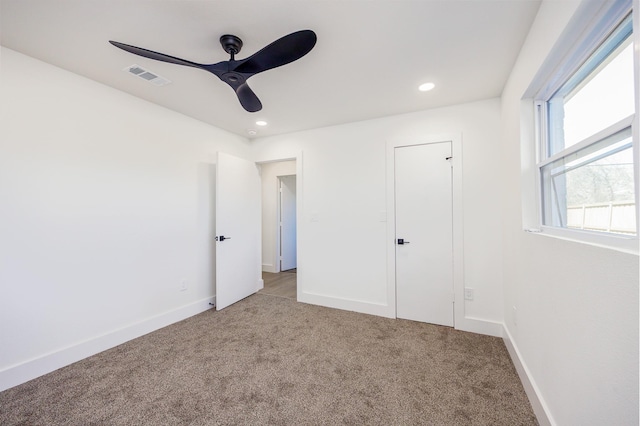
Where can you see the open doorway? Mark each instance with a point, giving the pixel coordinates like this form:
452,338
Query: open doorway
279,229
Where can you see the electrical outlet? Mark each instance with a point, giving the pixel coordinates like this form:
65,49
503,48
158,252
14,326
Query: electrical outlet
468,293
183,285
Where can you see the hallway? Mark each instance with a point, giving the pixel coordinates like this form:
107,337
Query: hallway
283,284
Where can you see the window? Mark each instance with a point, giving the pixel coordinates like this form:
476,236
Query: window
586,167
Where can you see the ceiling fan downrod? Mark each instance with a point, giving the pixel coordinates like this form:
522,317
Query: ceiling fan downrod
231,44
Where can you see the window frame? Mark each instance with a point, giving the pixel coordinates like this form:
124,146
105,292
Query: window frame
603,28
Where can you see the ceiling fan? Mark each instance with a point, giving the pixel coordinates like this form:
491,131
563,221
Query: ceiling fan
236,72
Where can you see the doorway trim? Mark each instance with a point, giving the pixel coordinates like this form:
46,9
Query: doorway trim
457,220
299,199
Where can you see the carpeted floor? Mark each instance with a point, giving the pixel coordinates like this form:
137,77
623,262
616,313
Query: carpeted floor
271,360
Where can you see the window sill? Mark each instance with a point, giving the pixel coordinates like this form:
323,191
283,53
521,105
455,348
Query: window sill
621,243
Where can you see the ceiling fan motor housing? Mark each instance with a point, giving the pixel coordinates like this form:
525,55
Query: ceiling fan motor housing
231,44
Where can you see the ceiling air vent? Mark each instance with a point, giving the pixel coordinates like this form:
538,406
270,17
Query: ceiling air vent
151,77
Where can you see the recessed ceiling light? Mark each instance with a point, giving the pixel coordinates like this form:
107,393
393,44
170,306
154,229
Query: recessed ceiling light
426,87
252,132
261,123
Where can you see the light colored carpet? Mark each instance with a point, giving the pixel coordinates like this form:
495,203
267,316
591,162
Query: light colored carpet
271,360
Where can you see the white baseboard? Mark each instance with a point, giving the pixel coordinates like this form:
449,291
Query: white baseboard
540,408
346,304
480,326
473,325
36,367
268,267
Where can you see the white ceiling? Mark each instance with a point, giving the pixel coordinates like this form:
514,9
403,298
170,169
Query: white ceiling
370,57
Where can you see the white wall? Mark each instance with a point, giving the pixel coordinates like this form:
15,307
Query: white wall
269,173
342,241
106,206
574,332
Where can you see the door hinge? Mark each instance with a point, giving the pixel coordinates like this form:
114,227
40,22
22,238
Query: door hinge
449,159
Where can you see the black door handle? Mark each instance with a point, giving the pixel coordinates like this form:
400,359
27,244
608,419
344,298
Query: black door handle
401,241
222,238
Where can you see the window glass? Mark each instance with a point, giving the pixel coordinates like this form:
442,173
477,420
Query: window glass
604,100
592,188
598,95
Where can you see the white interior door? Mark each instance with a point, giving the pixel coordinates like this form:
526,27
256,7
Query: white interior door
288,250
238,225
424,233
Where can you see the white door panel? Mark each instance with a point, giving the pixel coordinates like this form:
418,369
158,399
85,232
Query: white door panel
238,211
424,264
288,259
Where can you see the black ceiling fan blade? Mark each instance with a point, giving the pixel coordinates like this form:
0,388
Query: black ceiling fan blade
154,55
235,73
281,52
248,99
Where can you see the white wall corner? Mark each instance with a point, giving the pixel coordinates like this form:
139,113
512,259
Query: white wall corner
540,408
36,367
